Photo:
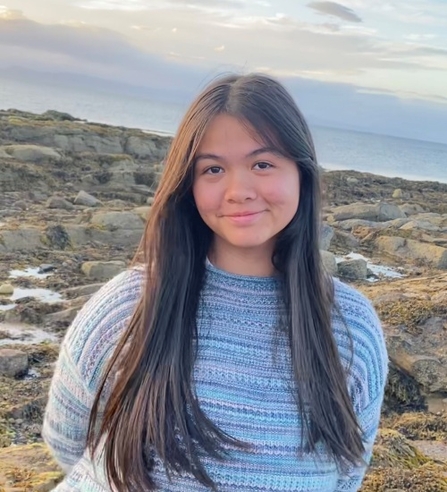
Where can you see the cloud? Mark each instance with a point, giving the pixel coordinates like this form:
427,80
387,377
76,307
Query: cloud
123,5
336,10
141,5
89,51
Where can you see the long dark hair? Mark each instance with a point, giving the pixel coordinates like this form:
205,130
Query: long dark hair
152,405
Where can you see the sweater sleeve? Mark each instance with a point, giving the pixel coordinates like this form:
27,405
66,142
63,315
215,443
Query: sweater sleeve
84,352
368,378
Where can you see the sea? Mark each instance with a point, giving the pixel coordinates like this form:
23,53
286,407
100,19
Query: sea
336,148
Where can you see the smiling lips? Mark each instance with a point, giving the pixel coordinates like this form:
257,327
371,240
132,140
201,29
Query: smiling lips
244,218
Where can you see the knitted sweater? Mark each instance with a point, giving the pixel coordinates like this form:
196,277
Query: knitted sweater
242,383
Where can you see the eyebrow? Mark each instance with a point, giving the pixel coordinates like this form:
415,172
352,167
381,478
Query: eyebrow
254,153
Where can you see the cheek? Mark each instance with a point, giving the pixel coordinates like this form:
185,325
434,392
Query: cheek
206,201
284,194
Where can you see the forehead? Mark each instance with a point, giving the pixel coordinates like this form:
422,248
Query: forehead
224,132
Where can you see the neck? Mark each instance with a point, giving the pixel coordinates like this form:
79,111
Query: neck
243,261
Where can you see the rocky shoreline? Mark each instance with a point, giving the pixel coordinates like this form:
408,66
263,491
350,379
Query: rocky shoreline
74,197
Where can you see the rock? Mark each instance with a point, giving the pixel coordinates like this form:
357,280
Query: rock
6,289
142,148
411,208
21,204
59,202
398,193
31,153
81,235
21,239
113,221
345,241
350,224
327,233
82,290
352,181
409,249
353,269
424,225
45,268
13,363
150,200
329,262
142,212
102,270
395,223
379,212
64,317
83,198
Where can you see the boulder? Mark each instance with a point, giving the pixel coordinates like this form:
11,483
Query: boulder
143,212
353,269
113,221
59,202
84,198
31,153
411,209
13,363
6,289
82,290
329,262
350,224
102,270
21,239
379,212
409,249
142,148
424,225
345,241
398,193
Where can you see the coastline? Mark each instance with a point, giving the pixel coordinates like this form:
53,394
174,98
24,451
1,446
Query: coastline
74,199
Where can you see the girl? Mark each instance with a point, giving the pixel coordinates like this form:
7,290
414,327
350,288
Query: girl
225,359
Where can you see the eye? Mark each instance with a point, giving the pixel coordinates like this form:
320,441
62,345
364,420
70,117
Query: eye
263,165
213,170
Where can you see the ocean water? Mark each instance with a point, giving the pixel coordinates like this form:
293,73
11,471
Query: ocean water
336,148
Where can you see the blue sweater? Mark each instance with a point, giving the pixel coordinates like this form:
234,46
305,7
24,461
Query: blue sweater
240,384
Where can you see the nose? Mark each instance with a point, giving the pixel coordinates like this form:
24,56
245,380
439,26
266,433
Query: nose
240,187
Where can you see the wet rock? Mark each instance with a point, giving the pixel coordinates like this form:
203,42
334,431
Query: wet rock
327,233
59,202
31,153
45,268
6,289
102,270
84,198
329,262
353,269
13,363
409,249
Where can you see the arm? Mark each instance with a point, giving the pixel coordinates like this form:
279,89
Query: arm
67,413
369,422
85,351
367,379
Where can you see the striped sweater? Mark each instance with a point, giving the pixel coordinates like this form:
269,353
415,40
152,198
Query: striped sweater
242,384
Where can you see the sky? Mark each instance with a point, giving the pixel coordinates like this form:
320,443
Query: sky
380,64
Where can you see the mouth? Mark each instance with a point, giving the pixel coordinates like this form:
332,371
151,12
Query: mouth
244,214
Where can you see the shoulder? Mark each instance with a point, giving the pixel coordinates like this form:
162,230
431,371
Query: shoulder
99,324
355,320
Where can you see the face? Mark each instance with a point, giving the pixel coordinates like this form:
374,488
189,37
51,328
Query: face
244,191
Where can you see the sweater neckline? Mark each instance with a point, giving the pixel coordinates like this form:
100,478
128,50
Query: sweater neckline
247,282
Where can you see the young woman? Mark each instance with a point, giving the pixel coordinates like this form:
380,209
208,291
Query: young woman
225,359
